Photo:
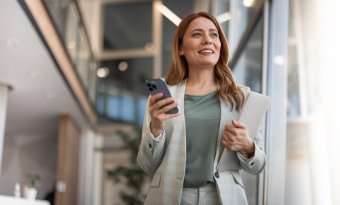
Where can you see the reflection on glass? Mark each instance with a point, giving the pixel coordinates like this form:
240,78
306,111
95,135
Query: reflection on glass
168,32
293,108
248,70
141,108
127,25
122,95
131,79
65,16
60,12
67,20
293,78
241,17
121,106
220,7
100,103
180,8
83,59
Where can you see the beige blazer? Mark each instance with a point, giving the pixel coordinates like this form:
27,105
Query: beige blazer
165,158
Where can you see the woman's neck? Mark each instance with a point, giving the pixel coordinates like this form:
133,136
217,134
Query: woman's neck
199,83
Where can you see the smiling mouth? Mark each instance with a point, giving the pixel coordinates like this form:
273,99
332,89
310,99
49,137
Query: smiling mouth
206,52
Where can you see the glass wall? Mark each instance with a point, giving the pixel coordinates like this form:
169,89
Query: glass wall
121,92
127,25
128,55
127,51
248,68
72,32
181,9
243,14
313,112
245,35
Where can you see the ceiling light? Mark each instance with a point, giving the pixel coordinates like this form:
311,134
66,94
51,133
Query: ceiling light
279,60
122,66
168,13
223,17
103,72
248,3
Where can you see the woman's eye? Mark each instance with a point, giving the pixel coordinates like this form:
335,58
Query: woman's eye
196,34
214,35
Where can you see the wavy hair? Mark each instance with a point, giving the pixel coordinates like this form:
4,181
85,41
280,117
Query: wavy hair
227,88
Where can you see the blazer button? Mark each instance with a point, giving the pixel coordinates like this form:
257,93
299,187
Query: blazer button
217,175
150,145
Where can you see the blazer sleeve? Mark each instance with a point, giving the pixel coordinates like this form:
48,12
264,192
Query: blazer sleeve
256,164
151,149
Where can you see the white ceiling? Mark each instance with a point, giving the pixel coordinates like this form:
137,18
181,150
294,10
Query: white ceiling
39,93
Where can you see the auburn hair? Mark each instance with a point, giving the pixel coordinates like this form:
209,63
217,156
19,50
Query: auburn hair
227,89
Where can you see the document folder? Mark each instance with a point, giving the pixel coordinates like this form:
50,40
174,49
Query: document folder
253,112
251,115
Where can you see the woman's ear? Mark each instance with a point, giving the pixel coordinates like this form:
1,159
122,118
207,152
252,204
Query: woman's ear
181,51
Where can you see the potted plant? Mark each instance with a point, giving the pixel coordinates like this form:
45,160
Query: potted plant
130,175
32,181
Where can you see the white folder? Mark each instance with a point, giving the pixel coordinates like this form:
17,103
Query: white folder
251,114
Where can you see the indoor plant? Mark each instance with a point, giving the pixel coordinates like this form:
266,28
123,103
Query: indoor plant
130,175
32,181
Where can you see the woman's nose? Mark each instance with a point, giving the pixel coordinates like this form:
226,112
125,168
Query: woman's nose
207,40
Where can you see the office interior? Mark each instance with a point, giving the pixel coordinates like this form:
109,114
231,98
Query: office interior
72,94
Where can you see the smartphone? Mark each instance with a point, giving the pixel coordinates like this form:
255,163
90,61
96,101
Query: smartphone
158,85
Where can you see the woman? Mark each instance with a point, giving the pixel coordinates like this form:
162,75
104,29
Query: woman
182,151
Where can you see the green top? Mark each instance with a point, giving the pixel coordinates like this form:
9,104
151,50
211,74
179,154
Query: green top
202,119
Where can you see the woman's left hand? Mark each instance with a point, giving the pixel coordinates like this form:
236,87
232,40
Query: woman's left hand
235,138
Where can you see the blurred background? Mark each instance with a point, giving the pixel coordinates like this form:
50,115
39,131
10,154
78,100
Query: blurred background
72,94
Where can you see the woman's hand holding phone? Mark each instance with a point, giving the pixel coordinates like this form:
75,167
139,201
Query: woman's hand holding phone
157,109
161,105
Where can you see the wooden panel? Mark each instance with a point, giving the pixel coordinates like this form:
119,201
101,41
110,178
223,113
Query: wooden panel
68,162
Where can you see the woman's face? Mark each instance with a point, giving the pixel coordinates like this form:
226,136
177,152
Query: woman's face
201,43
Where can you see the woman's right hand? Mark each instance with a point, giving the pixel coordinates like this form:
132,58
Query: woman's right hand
158,111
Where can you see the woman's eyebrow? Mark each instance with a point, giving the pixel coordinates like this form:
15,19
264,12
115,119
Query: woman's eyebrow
199,29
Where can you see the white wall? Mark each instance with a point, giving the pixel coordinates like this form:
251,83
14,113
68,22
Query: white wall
23,154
